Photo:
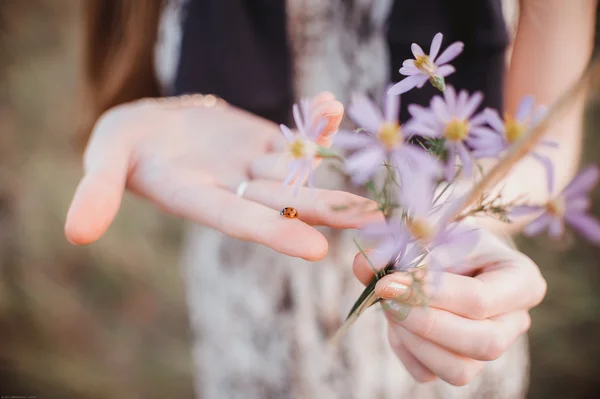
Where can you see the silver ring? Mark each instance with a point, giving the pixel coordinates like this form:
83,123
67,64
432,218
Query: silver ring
241,189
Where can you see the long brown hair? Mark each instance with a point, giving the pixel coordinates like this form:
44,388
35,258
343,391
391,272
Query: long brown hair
118,53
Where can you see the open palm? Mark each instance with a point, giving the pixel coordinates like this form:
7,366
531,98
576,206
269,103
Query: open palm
189,161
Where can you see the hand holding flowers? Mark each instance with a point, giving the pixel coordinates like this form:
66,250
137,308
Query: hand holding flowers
425,242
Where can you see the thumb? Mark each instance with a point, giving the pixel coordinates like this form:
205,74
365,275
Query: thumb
325,106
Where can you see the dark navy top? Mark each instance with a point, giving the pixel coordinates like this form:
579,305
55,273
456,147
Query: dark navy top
238,49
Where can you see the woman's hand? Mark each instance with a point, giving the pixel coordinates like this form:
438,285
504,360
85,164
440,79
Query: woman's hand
189,161
472,317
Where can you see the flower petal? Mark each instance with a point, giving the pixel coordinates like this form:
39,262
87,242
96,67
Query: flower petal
494,120
301,176
539,224
587,226
311,178
478,120
445,70
578,204
440,109
458,241
364,113
418,198
450,53
293,168
388,251
584,182
298,119
484,137
418,111
550,143
548,167
556,228
347,140
287,133
436,43
420,160
410,70
316,129
471,105
416,50
450,168
524,109
450,97
408,63
524,210
461,99
362,165
391,107
405,84
465,159
481,153
413,127
422,79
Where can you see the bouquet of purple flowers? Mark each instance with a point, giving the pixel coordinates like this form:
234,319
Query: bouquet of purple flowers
411,170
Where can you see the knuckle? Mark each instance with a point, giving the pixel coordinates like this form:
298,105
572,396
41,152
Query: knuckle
494,345
464,374
540,290
526,322
422,378
537,283
478,306
426,327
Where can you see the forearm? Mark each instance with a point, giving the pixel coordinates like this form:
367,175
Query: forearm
553,45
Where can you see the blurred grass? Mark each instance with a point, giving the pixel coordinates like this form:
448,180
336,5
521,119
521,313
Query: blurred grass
109,320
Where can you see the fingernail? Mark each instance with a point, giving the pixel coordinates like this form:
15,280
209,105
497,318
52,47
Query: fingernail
396,309
395,290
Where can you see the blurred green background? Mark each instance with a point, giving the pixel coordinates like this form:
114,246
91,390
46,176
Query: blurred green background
109,320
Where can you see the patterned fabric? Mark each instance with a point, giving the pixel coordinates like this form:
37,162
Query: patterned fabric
264,334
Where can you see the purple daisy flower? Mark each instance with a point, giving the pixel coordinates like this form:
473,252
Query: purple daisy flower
569,207
425,230
428,226
452,119
425,67
393,244
302,147
381,140
492,142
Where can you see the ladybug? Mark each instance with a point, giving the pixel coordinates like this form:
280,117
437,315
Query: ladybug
288,212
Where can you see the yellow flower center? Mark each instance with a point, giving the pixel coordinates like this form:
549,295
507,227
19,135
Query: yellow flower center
301,148
556,207
513,129
423,62
457,130
390,135
420,229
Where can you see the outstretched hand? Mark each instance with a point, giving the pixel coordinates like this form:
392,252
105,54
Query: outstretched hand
189,162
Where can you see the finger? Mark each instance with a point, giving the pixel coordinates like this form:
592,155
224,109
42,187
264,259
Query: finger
450,367
418,371
240,218
494,292
323,106
337,209
507,281
476,339
333,111
362,268
98,196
